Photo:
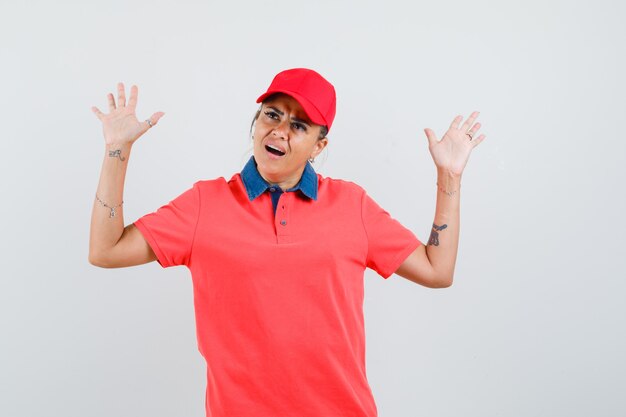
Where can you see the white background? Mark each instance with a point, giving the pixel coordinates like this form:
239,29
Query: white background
534,324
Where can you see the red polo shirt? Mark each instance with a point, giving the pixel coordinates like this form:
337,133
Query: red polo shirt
279,298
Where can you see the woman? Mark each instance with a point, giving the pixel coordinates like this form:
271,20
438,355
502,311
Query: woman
278,252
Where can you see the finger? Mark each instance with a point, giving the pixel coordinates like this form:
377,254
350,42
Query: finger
97,112
472,132
153,120
469,121
111,102
476,142
132,101
432,138
455,122
121,95
156,116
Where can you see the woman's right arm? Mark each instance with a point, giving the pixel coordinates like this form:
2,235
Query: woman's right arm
111,245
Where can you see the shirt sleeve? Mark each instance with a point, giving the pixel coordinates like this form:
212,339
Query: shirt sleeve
389,243
170,230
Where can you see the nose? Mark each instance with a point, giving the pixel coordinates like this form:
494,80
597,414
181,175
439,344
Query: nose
282,130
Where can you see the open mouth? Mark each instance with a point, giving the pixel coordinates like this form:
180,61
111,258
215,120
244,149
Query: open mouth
274,150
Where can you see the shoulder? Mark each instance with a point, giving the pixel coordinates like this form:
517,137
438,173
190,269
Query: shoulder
209,187
221,190
213,184
337,186
338,183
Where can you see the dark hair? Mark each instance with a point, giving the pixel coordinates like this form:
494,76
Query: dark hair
323,129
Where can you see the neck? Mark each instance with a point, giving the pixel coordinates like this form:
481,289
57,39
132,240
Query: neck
284,182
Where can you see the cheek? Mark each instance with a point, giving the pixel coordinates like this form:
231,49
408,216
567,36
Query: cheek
258,134
261,130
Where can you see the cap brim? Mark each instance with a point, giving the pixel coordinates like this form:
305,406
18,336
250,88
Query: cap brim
311,111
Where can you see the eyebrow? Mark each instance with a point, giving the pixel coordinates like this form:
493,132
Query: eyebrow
295,119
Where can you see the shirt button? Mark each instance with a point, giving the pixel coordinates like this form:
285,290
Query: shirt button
272,189
283,222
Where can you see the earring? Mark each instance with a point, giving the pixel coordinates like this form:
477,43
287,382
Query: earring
311,160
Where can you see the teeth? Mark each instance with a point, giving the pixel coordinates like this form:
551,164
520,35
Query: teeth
274,147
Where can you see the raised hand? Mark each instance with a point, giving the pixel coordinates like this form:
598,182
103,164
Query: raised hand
453,150
120,125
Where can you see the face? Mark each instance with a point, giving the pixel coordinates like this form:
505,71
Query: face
284,139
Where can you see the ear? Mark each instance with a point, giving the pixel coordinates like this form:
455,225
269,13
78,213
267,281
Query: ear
319,147
253,124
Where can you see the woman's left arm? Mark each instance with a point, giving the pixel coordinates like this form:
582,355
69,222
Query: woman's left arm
432,265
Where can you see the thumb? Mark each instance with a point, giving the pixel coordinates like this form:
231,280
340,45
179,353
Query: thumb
156,116
432,138
153,119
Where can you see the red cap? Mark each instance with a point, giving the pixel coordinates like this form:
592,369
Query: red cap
311,90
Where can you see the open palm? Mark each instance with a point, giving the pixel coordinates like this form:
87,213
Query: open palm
453,150
121,125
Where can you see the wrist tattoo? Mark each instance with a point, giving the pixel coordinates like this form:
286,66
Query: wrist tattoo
434,234
117,153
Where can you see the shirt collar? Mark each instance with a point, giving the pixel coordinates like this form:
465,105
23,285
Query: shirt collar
256,185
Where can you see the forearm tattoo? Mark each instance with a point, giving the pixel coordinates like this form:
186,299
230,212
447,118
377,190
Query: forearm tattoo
117,153
434,234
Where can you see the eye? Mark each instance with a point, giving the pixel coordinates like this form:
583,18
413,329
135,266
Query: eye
272,114
299,126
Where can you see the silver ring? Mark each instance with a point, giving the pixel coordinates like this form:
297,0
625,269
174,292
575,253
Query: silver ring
149,122
470,135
